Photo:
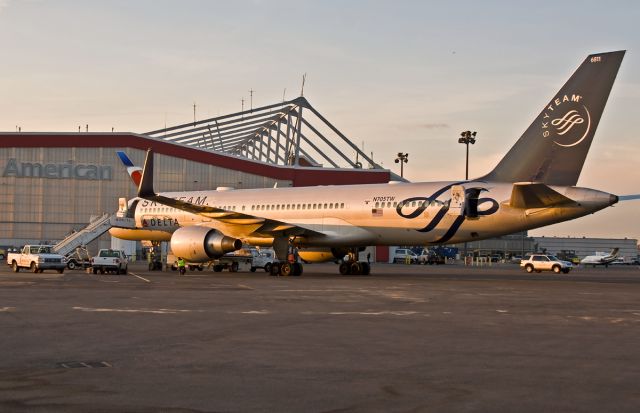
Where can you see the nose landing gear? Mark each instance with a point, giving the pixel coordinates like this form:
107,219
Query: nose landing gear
354,267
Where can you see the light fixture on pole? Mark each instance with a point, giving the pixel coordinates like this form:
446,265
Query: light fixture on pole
467,137
402,159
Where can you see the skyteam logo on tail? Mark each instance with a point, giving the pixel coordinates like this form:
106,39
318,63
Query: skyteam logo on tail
566,120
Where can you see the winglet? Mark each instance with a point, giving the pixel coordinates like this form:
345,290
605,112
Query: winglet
145,189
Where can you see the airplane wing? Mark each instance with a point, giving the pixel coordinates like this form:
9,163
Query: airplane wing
264,226
527,195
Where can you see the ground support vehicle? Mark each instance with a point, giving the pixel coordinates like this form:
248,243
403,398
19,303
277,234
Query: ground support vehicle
429,257
79,258
262,259
110,261
404,256
36,258
542,262
230,262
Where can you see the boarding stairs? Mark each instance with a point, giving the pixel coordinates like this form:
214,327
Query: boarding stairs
92,231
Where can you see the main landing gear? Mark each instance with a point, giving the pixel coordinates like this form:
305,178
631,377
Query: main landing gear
354,267
284,248
286,268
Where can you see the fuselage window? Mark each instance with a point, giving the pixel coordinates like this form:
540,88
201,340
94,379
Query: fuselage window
342,205
325,206
377,204
413,203
331,206
395,204
304,206
389,204
314,206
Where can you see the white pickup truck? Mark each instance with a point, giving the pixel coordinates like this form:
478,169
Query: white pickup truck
36,258
108,260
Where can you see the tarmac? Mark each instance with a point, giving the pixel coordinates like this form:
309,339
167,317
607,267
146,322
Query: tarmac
407,338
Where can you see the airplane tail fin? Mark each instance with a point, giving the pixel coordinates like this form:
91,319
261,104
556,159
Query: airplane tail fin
553,149
135,172
614,252
145,188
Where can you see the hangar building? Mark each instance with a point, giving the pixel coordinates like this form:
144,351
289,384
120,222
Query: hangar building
53,184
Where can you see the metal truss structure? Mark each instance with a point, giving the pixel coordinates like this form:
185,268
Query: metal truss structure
290,133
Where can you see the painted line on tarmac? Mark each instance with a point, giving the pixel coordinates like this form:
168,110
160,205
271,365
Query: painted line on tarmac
142,278
136,310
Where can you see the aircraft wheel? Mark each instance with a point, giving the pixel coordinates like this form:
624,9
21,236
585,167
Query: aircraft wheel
275,269
234,267
217,268
286,269
356,268
345,269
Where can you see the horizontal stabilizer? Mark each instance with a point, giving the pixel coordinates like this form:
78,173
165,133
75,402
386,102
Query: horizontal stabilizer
536,195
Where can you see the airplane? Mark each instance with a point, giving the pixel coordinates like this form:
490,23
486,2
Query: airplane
601,258
532,186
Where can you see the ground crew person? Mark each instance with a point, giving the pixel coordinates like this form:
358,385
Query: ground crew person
181,265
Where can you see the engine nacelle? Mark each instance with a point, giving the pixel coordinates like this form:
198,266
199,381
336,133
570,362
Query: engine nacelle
322,254
201,244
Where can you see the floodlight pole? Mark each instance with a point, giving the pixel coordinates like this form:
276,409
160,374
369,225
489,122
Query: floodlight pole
402,158
467,137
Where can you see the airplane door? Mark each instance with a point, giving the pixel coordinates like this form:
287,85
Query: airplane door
458,198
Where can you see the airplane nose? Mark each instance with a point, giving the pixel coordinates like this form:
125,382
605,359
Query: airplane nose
613,199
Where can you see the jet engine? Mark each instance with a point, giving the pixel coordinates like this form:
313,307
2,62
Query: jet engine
322,254
200,244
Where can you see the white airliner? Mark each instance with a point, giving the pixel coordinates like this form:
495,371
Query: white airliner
601,258
532,186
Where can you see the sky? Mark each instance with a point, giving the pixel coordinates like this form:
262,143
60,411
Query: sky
397,75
